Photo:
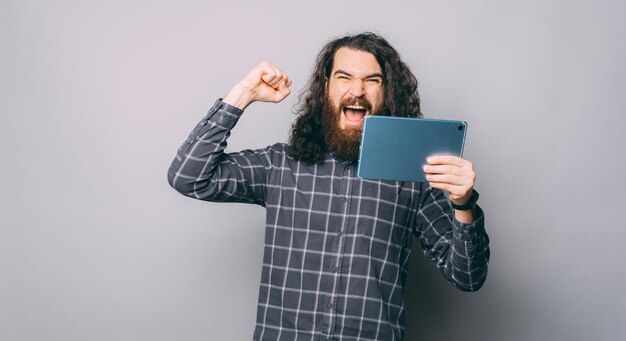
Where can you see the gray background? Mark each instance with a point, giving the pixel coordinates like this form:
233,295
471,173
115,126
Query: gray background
97,96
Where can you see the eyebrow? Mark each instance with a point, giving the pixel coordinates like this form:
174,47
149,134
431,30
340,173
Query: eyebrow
377,74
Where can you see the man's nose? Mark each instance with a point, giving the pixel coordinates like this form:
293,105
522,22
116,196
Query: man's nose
357,88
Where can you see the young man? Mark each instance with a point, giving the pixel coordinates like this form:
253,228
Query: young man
337,247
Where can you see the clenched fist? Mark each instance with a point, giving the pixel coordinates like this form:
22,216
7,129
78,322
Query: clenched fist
265,83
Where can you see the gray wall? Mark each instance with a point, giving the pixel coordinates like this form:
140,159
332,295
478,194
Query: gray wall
96,96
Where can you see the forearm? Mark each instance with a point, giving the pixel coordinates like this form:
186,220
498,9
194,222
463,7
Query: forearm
239,97
464,216
468,254
460,250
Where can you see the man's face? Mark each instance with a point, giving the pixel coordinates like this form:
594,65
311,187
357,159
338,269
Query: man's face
353,91
355,87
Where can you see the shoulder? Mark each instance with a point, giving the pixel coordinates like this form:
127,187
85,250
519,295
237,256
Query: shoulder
276,154
279,147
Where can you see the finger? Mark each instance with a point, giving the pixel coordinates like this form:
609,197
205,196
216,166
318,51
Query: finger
267,71
284,79
271,78
284,85
281,77
267,67
446,160
277,76
448,179
454,190
282,92
275,79
444,169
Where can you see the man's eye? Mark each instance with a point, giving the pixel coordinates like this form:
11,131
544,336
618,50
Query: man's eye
343,77
375,81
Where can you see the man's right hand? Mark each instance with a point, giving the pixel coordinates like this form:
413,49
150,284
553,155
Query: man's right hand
265,83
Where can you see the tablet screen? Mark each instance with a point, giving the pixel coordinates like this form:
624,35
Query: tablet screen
396,148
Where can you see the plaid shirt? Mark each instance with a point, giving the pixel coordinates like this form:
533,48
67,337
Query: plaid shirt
337,247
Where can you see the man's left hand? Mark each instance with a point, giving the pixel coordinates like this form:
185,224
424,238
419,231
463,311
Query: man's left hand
453,175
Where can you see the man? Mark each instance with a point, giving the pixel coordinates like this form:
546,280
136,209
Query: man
337,247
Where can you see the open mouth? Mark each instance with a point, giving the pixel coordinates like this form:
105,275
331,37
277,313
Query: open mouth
354,114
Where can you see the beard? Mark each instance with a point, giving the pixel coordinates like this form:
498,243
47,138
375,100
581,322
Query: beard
345,143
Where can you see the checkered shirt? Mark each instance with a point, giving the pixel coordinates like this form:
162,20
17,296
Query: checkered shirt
337,247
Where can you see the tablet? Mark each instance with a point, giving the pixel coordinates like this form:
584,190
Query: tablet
396,148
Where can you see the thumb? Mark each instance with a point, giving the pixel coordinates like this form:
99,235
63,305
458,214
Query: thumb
283,90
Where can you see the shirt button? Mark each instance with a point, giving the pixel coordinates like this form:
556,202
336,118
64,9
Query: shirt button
340,233
330,305
344,199
335,269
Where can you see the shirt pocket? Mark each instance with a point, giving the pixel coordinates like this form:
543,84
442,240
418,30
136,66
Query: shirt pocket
384,216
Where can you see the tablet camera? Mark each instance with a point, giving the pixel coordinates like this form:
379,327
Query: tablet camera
460,128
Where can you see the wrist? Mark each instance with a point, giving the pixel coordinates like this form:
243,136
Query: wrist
239,96
467,204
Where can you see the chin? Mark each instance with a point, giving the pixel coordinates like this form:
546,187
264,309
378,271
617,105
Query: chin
353,126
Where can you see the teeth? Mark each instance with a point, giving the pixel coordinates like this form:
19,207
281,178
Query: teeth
355,107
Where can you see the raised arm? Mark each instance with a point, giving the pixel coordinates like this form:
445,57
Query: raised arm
203,171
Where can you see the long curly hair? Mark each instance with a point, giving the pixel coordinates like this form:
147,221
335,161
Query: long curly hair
308,139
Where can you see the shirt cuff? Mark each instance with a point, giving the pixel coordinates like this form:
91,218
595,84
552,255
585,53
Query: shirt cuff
466,231
223,114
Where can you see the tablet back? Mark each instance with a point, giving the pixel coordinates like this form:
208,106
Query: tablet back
396,148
